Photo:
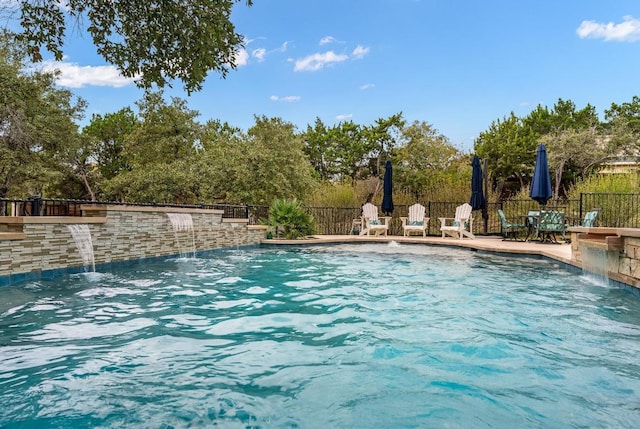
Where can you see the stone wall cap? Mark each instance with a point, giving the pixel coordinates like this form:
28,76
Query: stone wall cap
235,220
24,220
629,232
162,209
598,230
257,227
12,236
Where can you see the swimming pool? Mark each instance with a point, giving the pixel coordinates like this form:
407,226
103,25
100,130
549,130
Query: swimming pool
346,336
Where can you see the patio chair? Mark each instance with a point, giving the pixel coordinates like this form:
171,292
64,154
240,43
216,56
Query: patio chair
549,224
531,222
460,226
590,218
416,221
510,230
371,223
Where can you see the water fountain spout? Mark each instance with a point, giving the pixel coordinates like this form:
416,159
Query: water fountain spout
595,263
183,222
82,237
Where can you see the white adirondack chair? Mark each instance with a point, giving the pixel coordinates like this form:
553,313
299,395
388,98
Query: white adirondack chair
371,223
416,221
460,226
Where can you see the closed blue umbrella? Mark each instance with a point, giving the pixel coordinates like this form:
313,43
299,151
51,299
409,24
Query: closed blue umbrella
541,182
477,195
387,190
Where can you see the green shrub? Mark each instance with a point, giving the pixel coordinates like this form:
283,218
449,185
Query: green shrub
333,195
289,219
605,183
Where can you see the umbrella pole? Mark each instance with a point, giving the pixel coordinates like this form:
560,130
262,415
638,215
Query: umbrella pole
485,212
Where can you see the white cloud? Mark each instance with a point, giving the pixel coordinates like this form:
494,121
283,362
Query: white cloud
343,117
287,99
359,52
317,61
626,31
242,58
367,86
259,54
327,39
73,75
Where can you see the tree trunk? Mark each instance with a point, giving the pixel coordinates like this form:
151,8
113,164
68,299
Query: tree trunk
558,173
87,186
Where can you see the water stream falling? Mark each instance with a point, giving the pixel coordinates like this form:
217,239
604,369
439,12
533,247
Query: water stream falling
594,263
82,236
183,222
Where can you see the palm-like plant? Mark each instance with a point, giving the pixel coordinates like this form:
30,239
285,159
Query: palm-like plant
289,219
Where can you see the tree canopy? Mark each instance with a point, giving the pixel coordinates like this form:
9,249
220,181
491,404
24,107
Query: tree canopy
265,164
575,138
153,41
349,150
425,160
37,120
162,154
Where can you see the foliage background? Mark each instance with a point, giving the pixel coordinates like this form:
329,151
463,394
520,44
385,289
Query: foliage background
159,152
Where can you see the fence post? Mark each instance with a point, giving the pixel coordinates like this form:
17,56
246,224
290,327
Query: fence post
36,202
485,208
580,205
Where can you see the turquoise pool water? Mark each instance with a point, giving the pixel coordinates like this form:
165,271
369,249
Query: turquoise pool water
349,336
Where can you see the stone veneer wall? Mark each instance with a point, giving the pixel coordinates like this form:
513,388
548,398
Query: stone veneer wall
32,247
622,247
629,260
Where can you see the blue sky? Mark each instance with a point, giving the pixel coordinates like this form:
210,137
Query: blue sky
458,65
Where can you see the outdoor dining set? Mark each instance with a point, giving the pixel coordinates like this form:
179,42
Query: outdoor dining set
548,223
543,225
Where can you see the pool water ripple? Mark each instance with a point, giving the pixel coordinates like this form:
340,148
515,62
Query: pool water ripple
350,336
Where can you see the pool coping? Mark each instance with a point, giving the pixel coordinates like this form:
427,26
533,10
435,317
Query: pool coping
559,252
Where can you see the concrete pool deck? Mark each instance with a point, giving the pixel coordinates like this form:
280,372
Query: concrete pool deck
560,252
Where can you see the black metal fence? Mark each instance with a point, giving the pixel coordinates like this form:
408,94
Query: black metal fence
36,206
340,221
616,210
